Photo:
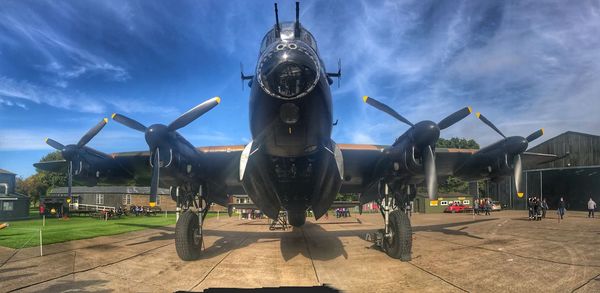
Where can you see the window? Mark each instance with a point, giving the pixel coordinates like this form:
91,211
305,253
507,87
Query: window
99,198
127,199
7,205
3,189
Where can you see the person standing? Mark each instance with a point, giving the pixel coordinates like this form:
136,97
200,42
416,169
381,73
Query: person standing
561,208
544,208
591,207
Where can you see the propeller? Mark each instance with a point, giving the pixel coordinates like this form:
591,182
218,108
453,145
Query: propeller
72,152
426,134
159,137
515,145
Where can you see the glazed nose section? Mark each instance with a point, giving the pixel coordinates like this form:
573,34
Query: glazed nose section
289,71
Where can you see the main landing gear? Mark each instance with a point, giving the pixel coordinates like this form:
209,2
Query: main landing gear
396,237
188,230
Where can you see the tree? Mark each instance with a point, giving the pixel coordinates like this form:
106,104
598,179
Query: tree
39,183
453,184
457,143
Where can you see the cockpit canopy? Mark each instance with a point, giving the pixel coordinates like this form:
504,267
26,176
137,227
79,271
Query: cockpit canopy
287,34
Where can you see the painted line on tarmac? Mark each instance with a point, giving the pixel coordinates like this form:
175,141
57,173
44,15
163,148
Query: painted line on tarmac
511,253
588,281
310,255
89,269
217,264
437,276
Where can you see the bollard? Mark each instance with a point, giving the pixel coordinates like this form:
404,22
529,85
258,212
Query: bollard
41,251
43,220
217,215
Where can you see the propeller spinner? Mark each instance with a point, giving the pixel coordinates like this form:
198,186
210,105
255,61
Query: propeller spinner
72,152
426,134
159,137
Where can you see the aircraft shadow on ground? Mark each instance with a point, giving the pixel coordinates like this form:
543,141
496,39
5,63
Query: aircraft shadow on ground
311,240
444,228
76,286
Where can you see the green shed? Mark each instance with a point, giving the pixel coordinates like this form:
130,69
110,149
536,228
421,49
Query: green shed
13,206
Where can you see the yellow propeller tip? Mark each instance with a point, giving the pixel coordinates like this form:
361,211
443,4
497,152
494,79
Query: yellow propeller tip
152,204
470,110
105,120
542,131
113,115
365,98
477,114
46,139
218,100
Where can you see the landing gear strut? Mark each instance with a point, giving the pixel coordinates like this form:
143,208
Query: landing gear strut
396,240
188,230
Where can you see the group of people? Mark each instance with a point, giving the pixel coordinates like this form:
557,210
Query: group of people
537,208
342,212
139,210
482,205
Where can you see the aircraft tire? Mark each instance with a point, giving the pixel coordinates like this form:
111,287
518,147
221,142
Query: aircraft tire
296,219
188,246
400,244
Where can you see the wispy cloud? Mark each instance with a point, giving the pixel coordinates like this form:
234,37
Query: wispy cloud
525,65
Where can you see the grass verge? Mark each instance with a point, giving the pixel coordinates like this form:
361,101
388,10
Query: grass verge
21,234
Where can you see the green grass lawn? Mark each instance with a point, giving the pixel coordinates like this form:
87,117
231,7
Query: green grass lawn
26,233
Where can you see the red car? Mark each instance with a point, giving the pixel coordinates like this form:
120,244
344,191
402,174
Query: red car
457,208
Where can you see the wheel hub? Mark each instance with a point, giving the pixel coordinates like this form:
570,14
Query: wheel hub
197,236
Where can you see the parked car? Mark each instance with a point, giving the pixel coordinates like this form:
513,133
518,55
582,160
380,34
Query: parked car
457,208
496,206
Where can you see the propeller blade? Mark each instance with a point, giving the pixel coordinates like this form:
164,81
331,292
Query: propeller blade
454,117
385,108
430,172
194,113
55,144
489,123
535,135
128,122
155,174
92,132
518,166
70,179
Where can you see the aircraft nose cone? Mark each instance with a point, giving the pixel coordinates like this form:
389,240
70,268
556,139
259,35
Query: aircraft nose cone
288,71
426,133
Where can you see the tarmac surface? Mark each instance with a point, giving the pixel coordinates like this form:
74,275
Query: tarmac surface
451,253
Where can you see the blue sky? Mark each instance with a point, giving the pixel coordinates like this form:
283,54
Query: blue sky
64,65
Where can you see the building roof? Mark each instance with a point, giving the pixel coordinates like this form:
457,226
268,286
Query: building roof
566,133
2,171
108,190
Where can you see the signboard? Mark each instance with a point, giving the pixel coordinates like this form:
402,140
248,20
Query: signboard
68,200
433,203
520,194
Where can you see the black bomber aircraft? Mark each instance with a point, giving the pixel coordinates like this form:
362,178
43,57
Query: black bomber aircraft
292,164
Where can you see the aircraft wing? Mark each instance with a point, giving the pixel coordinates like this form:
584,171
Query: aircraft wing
219,165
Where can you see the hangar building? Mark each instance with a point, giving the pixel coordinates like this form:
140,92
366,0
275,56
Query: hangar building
575,177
